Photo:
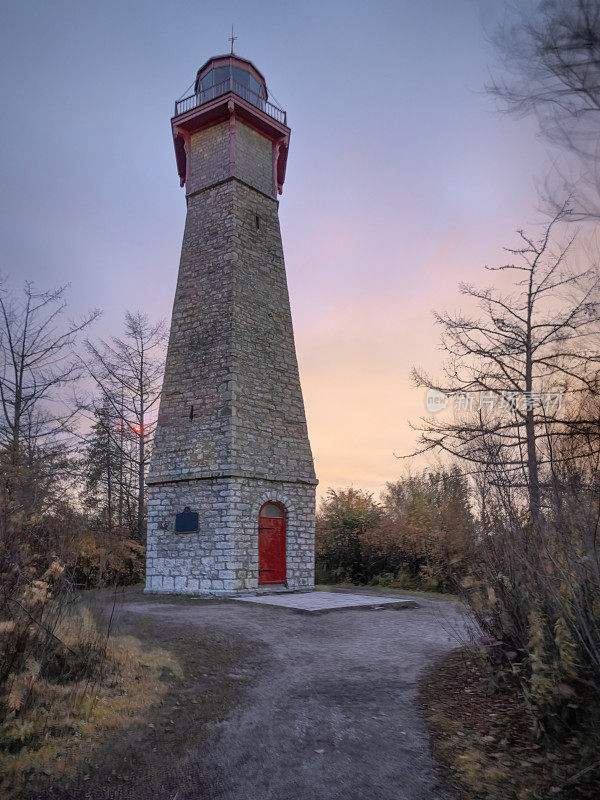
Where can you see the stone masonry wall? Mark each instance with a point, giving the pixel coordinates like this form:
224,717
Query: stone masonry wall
209,157
222,557
193,436
231,402
269,433
212,158
253,158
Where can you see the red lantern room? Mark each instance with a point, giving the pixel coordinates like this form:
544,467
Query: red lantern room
230,87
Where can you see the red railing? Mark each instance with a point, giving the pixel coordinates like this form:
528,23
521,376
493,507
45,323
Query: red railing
230,85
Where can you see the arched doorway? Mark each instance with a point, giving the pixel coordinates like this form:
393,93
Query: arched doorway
271,544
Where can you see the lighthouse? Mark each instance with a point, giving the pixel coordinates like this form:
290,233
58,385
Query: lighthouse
231,484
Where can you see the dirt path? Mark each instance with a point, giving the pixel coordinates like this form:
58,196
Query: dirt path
280,705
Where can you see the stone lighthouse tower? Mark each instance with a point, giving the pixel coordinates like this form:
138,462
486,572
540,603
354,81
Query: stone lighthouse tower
231,487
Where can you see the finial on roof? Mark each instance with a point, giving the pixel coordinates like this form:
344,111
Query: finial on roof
232,39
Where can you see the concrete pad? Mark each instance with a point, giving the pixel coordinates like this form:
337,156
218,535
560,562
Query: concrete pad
320,602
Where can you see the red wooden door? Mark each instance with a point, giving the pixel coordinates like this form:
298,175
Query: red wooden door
271,544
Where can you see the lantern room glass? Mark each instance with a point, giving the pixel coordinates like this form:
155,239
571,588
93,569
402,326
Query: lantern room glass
221,79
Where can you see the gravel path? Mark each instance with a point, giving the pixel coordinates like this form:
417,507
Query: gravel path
329,709
275,705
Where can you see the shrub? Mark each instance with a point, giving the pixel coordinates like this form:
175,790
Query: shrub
107,558
417,536
535,592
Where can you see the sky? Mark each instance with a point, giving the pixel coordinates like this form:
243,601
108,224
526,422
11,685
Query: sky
403,179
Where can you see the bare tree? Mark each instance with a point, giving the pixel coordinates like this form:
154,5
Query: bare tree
532,579
551,61
521,355
128,372
38,360
38,365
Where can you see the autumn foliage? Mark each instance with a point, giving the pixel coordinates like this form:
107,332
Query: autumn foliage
416,536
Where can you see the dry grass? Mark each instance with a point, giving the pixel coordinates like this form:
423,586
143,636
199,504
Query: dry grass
484,735
65,722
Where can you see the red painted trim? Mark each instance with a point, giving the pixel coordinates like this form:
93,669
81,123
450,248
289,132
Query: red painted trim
181,141
276,148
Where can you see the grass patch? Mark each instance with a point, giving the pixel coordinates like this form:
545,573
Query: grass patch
382,590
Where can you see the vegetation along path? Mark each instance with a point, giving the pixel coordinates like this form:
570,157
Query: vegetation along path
278,704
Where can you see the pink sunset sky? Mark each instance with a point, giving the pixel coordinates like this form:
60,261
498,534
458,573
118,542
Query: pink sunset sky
402,180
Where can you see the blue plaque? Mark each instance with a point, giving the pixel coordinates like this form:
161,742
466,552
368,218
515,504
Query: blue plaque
186,521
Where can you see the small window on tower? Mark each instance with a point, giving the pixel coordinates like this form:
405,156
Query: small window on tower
257,222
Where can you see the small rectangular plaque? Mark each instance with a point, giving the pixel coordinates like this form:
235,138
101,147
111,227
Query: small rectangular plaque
186,521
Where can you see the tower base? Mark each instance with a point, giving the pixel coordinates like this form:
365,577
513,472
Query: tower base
221,558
